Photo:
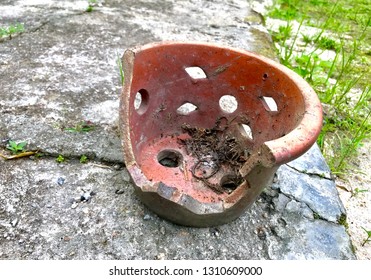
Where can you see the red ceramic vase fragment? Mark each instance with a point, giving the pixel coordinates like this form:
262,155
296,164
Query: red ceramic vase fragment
204,127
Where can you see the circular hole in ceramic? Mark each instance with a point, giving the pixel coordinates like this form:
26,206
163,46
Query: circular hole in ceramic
169,158
228,103
141,101
230,182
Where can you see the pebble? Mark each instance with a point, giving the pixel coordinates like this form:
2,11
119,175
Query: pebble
60,181
162,230
146,217
86,196
14,222
161,256
74,205
120,191
117,167
215,232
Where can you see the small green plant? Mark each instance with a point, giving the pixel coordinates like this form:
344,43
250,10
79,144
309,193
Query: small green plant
316,216
16,148
327,43
11,29
60,159
83,159
91,4
307,39
357,191
121,71
84,126
368,238
343,221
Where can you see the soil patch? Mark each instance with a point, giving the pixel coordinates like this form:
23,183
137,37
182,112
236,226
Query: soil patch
215,150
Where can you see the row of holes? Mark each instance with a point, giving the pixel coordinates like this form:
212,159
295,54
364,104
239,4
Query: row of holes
227,103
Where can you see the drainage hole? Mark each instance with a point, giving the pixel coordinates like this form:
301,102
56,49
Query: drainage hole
230,182
169,158
186,109
228,103
141,101
269,104
196,72
246,131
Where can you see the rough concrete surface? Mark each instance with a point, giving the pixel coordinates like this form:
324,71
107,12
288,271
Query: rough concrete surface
62,70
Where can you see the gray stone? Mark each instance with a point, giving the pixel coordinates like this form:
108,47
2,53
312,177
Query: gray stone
319,194
303,239
280,202
63,71
60,181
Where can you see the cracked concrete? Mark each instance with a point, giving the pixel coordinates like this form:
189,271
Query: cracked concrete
63,70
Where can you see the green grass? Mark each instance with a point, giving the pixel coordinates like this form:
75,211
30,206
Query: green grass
84,126
368,238
11,29
342,79
121,71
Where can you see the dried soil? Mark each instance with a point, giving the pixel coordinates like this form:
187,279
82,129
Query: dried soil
215,148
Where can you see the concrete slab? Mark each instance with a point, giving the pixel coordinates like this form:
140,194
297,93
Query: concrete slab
61,72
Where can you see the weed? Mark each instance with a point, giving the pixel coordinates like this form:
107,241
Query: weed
341,78
121,71
343,221
91,5
16,148
307,39
60,159
368,238
11,29
327,43
357,191
83,159
284,32
352,143
316,216
84,126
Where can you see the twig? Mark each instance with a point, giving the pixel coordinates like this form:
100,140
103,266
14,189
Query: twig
20,155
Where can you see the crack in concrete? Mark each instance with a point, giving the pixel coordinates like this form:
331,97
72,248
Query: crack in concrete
320,175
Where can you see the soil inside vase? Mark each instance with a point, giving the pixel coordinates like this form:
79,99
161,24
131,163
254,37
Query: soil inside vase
216,150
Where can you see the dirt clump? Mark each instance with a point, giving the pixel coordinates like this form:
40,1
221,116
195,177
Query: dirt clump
216,150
